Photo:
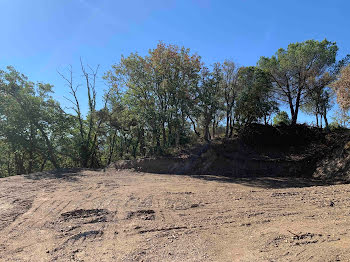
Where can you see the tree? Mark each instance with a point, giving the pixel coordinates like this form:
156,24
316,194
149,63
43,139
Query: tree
291,69
317,99
87,134
281,118
175,73
159,90
32,104
159,102
32,122
342,88
229,84
318,96
208,97
254,102
342,118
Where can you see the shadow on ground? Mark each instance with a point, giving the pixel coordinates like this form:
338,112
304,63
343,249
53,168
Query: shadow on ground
274,182
269,182
66,174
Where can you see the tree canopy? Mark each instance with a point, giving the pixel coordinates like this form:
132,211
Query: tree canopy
294,69
157,103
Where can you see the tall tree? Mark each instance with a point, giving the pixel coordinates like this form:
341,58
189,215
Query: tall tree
255,102
159,89
208,97
318,98
290,69
29,114
89,127
229,83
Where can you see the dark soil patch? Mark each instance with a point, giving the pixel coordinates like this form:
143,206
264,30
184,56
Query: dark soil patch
85,213
142,214
87,234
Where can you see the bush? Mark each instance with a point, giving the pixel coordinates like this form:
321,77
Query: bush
334,126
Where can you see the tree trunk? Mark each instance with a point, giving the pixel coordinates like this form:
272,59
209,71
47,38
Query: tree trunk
231,126
49,146
325,119
19,164
291,106
177,137
158,144
134,148
194,127
227,124
213,128
31,150
265,120
121,152
207,131
111,150
142,142
43,165
164,134
296,111
9,163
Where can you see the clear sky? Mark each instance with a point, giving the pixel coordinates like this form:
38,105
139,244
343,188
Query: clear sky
39,37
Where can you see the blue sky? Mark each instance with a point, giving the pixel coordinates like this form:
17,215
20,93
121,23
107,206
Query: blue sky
39,37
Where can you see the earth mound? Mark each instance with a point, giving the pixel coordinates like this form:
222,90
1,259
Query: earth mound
260,150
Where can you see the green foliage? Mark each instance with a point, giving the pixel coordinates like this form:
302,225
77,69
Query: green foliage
293,69
157,104
158,94
341,118
334,126
254,102
281,118
31,124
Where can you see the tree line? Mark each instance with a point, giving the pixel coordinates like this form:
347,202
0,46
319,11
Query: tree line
159,102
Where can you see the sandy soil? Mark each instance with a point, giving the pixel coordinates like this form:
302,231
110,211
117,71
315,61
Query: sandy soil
129,216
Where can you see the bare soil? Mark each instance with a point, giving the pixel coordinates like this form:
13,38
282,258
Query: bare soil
130,216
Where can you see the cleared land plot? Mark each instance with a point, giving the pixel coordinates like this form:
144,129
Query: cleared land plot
130,216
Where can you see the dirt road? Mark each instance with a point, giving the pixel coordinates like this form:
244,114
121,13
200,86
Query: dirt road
129,216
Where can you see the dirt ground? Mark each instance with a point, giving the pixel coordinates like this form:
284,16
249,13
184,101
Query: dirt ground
130,216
